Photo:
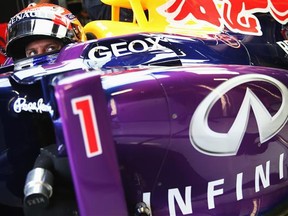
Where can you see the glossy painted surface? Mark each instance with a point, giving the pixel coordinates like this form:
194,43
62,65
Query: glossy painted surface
151,113
155,86
154,137
93,165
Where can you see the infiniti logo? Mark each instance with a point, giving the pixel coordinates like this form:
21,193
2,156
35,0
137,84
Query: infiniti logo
213,143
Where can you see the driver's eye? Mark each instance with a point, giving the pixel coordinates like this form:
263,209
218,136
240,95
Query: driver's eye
31,53
51,48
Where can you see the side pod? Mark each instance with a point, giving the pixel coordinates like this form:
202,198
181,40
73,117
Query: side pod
90,148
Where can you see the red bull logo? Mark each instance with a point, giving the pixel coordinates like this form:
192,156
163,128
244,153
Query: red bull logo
236,15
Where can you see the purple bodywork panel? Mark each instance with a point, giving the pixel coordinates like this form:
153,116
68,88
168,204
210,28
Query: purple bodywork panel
187,139
92,158
187,125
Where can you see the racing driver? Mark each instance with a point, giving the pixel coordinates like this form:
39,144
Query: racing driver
42,28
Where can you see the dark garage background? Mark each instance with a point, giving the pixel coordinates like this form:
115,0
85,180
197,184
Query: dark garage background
9,8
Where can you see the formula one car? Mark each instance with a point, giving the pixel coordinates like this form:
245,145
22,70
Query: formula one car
150,123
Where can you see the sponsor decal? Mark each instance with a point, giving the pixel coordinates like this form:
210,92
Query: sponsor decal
124,48
182,198
22,105
20,16
233,186
210,142
43,13
236,15
283,45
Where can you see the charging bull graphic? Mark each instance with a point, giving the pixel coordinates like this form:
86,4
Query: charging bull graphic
237,16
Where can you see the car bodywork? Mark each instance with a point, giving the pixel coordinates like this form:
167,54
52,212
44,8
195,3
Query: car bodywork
149,123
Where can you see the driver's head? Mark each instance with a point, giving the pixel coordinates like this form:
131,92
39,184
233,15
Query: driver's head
41,28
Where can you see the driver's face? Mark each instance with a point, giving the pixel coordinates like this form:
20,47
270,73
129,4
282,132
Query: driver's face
42,46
